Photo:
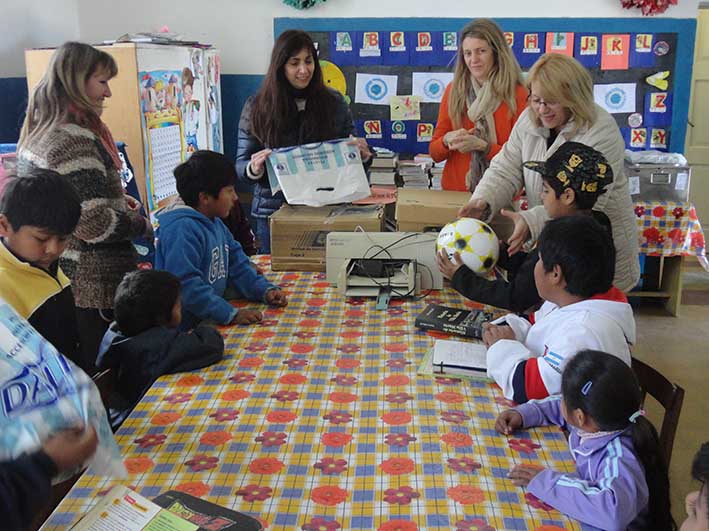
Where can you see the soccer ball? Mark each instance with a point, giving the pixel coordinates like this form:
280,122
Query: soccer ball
474,240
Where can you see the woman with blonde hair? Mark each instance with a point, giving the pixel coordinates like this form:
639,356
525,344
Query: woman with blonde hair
479,107
63,132
561,109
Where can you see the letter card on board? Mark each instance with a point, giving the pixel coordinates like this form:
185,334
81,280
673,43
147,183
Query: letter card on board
615,51
528,47
641,55
658,109
560,42
369,47
587,49
342,48
396,48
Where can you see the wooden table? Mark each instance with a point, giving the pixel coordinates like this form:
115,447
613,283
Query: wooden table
316,419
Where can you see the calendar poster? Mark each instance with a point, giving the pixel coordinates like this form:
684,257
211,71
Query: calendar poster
166,149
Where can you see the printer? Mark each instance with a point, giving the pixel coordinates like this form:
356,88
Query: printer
369,264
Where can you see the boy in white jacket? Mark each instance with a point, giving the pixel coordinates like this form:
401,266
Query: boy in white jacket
574,275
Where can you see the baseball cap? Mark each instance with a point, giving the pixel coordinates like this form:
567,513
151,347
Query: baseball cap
576,166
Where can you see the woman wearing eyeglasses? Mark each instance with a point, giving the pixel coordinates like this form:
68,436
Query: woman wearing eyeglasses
479,107
561,108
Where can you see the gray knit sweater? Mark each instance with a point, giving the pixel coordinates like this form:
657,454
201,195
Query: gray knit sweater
100,251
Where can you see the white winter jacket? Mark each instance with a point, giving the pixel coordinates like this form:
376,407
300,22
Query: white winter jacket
506,176
559,333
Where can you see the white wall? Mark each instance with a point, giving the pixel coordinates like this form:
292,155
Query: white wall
33,24
243,29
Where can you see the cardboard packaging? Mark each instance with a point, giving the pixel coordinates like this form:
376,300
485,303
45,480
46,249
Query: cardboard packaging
299,233
427,210
430,210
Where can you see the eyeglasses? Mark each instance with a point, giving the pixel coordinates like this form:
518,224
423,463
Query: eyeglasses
538,102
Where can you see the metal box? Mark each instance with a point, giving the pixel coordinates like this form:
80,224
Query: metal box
658,182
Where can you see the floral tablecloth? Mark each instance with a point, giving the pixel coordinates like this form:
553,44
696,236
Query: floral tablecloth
317,420
670,228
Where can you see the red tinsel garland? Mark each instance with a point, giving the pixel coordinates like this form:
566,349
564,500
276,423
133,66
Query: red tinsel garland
649,7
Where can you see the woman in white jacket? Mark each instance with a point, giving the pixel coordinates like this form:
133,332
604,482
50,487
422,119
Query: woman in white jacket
561,108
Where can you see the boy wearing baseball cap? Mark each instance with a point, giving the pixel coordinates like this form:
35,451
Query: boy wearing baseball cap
572,179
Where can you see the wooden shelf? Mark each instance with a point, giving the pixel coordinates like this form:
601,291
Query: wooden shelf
650,294
670,283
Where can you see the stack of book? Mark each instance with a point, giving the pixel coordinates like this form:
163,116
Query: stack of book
413,174
383,168
437,175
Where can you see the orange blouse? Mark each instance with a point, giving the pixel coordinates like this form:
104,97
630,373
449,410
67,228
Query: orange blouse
457,163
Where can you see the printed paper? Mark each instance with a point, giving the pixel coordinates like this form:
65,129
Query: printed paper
658,139
405,107
638,137
641,55
562,43
375,89
587,50
616,97
430,86
616,52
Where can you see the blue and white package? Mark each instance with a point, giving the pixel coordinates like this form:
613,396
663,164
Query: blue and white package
318,174
42,392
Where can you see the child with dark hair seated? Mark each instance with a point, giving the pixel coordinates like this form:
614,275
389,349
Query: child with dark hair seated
697,502
583,310
573,178
38,213
621,479
194,244
144,342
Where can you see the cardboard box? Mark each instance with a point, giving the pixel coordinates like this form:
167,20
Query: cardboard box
427,210
430,210
299,233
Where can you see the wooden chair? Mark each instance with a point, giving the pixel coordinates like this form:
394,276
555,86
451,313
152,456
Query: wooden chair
106,383
669,395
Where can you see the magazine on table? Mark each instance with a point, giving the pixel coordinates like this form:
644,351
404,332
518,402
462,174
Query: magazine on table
124,509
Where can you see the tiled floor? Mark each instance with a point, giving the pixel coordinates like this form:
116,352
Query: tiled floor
679,349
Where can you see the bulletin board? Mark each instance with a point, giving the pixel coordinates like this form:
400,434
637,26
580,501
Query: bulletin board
393,71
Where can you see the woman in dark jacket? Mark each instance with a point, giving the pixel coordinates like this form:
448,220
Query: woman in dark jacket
292,107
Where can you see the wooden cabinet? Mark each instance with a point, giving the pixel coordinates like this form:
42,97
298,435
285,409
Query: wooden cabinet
165,103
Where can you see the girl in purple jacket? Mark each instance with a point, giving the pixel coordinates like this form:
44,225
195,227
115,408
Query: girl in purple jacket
621,479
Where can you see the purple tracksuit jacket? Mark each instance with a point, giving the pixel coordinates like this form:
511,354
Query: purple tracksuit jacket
608,490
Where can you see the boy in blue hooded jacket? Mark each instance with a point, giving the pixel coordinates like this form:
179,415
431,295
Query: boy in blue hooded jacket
194,245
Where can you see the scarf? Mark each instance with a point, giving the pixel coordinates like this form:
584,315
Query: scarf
94,123
481,104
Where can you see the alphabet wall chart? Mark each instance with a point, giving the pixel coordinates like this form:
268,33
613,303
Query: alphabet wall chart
393,72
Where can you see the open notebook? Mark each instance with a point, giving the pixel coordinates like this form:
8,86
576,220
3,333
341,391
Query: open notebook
455,358
458,357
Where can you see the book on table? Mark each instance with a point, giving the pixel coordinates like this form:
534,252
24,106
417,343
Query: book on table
467,323
459,358
122,508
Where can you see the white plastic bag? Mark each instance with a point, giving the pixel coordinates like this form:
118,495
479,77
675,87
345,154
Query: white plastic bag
318,174
42,392
655,157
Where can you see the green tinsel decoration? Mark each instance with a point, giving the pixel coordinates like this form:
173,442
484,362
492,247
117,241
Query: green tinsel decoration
303,4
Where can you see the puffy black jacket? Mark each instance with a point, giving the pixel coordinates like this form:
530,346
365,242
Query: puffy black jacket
142,359
265,203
